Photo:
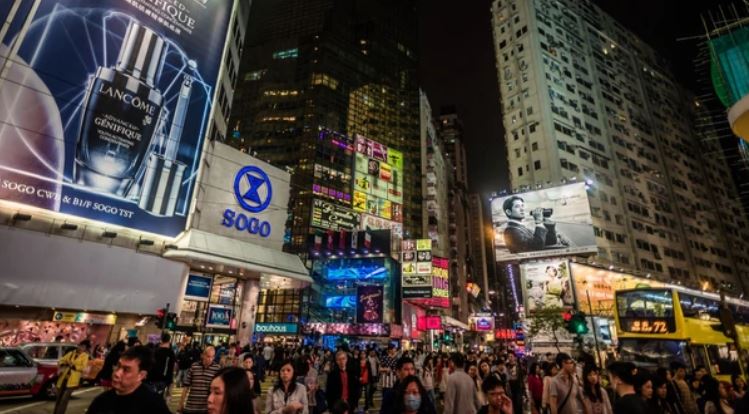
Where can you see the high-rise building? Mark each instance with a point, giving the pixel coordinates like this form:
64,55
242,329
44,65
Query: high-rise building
434,170
450,130
478,270
345,66
583,98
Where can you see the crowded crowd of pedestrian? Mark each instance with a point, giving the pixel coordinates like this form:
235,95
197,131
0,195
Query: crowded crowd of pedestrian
310,380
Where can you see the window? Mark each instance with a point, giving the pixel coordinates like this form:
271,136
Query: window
520,171
13,358
537,164
534,146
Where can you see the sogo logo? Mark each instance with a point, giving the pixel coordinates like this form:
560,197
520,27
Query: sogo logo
253,191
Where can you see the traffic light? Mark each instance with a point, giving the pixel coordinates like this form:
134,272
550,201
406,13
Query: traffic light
171,321
577,324
160,317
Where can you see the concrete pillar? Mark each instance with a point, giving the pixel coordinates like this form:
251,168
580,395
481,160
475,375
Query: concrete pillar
250,292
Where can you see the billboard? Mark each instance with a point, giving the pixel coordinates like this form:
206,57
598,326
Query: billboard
198,288
601,284
416,268
114,134
369,300
331,216
550,222
219,316
546,284
378,180
481,322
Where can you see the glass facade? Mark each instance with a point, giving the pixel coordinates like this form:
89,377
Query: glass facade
280,305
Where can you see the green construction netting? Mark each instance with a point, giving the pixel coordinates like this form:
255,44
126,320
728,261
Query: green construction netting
729,65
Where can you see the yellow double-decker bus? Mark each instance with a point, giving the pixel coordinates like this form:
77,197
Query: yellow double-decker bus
659,325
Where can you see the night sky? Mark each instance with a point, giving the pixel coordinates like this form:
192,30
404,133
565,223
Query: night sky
457,65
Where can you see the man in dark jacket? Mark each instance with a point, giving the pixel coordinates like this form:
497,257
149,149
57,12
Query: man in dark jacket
343,382
162,373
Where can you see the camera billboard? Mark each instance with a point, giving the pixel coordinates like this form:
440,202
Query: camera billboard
550,222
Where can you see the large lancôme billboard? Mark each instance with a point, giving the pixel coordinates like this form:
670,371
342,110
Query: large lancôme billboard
105,105
549,222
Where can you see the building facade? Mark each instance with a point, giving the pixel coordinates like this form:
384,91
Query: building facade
477,230
585,99
329,64
450,130
434,176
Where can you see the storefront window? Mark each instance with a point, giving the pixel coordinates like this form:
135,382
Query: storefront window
225,291
279,305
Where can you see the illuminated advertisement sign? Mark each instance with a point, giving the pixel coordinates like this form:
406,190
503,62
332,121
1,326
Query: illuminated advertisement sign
546,284
271,328
370,222
198,288
219,316
416,275
360,329
378,180
356,269
481,323
340,302
369,300
549,222
601,284
115,134
429,322
333,217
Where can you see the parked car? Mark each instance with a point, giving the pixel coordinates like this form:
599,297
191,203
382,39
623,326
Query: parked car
48,353
21,376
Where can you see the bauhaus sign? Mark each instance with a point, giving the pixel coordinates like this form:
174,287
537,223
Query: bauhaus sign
276,328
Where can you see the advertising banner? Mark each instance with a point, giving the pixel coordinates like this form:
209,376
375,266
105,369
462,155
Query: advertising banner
549,222
104,109
481,322
601,284
378,180
219,316
369,300
85,317
198,288
359,329
546,284
416,275
330,216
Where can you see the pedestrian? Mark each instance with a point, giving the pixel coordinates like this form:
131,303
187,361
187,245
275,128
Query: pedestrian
70,368
373,366
161,376
230,392
387,370
248,366
564,390
184,361
340,407
104,376
622,376
460,396
404,367
497,400
739,386
427,378
365,378
684,395
411,397
287,396
718,398
198,382
595,399
644,385
472,370
660,404
128,394
535,386
268,356
343,382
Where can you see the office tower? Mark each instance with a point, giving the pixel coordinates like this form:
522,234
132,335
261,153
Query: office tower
346,66
477,246
435,190
450,130
585,99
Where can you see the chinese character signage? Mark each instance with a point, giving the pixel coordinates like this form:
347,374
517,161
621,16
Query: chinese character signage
415,271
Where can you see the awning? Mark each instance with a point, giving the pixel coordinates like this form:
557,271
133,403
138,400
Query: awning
204,247
450,321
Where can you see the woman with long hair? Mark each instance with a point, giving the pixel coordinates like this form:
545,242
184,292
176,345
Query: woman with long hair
287,395
739,386
535,386
595,398
718,397
550,371
473,371
427,377
660,403
230,392
484,369
411,397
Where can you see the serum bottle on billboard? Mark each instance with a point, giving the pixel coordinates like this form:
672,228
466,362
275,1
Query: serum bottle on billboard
122,109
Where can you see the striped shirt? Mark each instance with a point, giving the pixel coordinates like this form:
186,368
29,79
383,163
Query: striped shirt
199,380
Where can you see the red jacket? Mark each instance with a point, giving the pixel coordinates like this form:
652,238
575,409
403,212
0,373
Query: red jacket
536,387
